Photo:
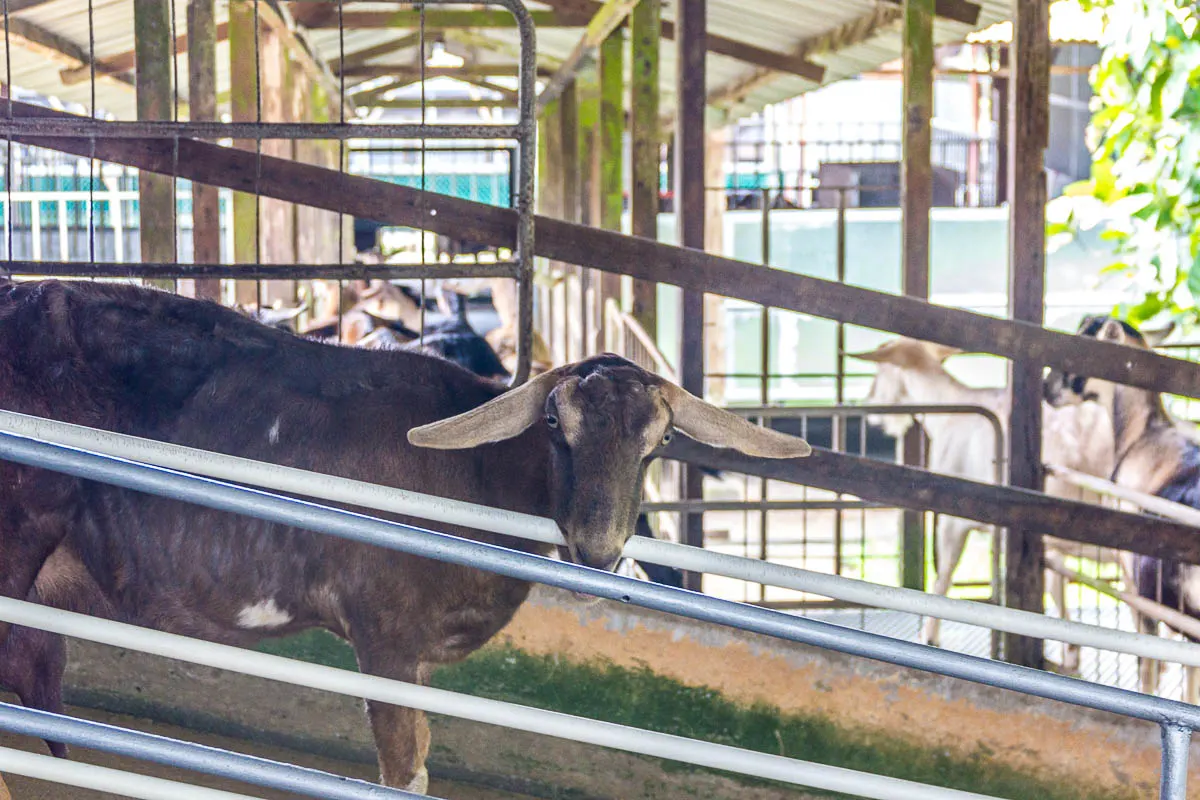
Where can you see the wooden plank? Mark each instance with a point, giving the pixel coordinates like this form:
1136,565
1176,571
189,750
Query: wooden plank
34,37
731,48
645,36
691,46
443,20
1029,126
360,57
611,154
156,193
905,487
406,71
609,17
125,62
639,258
916,201
788,63
244,80
202,31
961,11
880,18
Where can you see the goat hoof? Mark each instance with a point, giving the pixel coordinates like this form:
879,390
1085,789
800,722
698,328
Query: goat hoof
420,783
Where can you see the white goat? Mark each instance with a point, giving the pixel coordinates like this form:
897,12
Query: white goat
964,445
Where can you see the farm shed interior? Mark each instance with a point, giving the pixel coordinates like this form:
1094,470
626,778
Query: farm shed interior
280,156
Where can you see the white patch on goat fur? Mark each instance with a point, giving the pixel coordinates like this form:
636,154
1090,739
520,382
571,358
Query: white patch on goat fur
263,615
273,433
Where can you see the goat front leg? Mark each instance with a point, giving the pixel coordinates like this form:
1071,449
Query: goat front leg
1056,587
401,734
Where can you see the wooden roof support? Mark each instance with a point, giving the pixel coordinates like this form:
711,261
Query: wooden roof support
127,61
156,193
360,57
731,48
1029,127
639,258
960,11
916,202
57,47
327,17
611,155
644,33
202,104
608,18
410,72
881,17
690,141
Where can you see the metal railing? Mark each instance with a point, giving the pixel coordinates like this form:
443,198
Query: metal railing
1175,719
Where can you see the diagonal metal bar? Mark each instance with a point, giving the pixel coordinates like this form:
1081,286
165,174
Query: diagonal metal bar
195,757
425,543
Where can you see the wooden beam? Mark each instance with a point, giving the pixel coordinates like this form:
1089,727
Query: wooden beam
441,20
203,32
507,48
881,17
690,138
406,71
452,102
57,47
731,48
906,487
916,201
360,57
960,11
156,193
244,87
608,18
1029,127
504,91
639,258
789,63
127,61
645,33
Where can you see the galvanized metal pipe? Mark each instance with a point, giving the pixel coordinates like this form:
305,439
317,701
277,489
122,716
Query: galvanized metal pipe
195,757
1176,744
103,779
655,551
145,129
524,566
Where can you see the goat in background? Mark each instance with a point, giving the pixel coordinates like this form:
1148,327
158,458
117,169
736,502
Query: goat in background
1156,454
912,372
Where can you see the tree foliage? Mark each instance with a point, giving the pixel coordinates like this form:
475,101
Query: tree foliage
1144,189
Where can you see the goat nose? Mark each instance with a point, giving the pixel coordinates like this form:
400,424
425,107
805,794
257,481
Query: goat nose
605,559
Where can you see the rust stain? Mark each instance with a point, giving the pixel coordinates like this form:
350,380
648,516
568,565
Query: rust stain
876,701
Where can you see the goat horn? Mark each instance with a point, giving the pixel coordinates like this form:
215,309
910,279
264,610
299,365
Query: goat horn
496,420
717,427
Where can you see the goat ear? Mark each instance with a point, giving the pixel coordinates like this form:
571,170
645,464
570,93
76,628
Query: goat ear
496,420
1156,336
883,354
717,427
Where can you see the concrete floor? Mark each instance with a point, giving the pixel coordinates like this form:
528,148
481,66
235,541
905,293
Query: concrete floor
29,789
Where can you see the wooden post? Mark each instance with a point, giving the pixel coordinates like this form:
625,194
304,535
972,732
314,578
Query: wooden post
574,302
691,48
587,104
202,106
645,35
611,156
243,103
550,202
156,193
916,199
1029,124
1001,95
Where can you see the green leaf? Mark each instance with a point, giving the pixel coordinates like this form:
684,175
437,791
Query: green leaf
1193,280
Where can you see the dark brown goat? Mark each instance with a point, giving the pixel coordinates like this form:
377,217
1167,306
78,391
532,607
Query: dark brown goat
571,444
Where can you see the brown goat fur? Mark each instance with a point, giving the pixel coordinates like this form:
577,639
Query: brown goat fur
147,363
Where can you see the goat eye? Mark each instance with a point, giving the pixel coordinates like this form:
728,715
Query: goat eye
552,420
667,437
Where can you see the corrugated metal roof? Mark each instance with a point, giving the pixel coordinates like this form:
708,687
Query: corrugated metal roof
781,25
1070,23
